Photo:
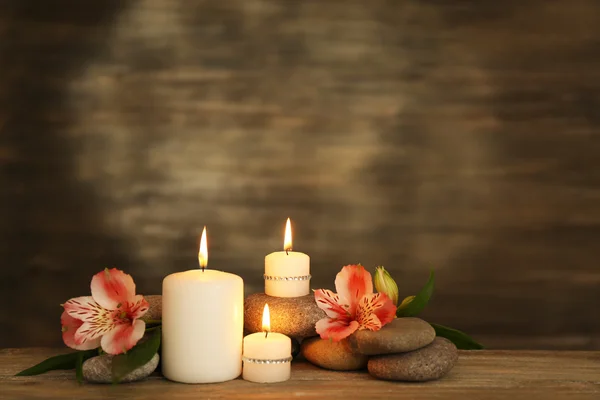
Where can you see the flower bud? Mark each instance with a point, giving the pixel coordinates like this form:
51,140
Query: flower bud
384,283
406,302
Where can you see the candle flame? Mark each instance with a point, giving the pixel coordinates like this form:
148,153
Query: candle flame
287,241
203,253
266,320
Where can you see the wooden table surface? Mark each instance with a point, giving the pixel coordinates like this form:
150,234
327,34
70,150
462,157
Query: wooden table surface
479,374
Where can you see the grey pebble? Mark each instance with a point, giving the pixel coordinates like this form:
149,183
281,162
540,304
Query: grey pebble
399,336
426,364
99,369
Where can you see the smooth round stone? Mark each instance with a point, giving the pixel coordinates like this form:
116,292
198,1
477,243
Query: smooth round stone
399,336
292,316
426,364
327,354
155,310
99,369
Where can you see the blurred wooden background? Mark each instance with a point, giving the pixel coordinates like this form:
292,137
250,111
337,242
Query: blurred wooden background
463,136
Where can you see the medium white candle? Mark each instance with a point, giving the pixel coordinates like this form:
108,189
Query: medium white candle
267,356
202,324
287,273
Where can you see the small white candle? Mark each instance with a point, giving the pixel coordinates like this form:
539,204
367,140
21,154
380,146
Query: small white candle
267,356
287,273
202,324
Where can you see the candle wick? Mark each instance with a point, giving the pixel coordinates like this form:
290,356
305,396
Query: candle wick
287,251
266,333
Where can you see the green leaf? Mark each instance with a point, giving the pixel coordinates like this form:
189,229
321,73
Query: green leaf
143,352
460,339
152,322
63,361
411,308
79,368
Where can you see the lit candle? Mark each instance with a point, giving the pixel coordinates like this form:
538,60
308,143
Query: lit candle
287,272
267,355
202,324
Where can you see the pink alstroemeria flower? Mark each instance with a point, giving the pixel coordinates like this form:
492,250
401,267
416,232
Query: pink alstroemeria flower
107,318
354,307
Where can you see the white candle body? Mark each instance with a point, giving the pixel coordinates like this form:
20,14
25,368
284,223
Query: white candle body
275,346
287,265
202,326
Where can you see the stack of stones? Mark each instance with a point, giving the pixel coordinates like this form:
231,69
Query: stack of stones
404,350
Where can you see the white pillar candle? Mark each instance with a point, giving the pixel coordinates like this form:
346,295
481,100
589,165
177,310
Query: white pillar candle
287,273
267,356
202,325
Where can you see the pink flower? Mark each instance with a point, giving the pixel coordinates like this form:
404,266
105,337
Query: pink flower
354,307
107,318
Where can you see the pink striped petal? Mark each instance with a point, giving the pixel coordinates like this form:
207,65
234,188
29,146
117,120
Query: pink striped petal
123,337
352,283
385,309
330,303
138,308
374,311
336,330
91,330
85,309
96,321
69,327
112,288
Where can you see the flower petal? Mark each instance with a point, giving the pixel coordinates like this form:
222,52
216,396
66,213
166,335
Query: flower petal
336,330
352,283
138,308
96,321
330,303
69,327
113,287
384,283
84,308
374,311
123,337
385,309
91,330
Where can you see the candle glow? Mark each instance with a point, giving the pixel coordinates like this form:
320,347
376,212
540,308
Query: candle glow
267,356
203,253
192,350
266,319
287,272
287,241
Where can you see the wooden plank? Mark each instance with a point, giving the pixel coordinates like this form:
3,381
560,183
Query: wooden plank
484,375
